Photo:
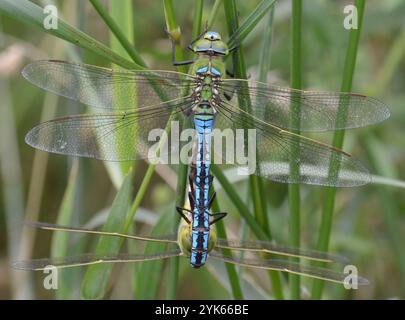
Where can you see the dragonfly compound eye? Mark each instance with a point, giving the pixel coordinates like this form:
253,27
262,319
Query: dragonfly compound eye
212,36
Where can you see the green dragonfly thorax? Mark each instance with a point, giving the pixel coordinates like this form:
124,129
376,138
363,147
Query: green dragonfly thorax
184,238
211,43
210,50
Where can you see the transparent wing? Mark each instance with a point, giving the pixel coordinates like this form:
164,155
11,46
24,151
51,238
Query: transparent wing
55,227
270,150
272,248
289,267
319,110
89,259
105,88
122,136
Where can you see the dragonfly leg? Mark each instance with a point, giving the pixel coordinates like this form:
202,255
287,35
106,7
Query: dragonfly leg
179,63
191,199
230,73
174,62
229,96
191,192
188,111
217,216
190,46
211,199
235,47
181,210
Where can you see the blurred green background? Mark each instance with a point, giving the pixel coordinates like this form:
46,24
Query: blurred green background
368,224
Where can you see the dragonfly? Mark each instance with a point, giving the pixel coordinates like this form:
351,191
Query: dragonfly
257,254
154,98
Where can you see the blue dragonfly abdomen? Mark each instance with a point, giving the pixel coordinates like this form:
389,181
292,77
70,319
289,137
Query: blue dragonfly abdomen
201,181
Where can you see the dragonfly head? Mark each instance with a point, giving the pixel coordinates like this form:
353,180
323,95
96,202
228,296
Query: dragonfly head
212,36
184,238
211,44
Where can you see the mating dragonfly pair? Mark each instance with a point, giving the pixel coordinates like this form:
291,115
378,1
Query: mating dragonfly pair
155,98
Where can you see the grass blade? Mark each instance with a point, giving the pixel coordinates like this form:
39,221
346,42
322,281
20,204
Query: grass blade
120,43
197,20
329,202
294,189
259,189
149,275
60,240
173,28
237,201
251,21
265,56
12,188
214,13
240,72
123,11
96,277
29,13
174,31
230,268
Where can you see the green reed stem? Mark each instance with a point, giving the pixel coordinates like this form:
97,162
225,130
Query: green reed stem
140,194
252,20
170,16
252,223
60,240
294,189
174,30
264,67
245,103
173,277
121,11
116,30
265,56
214,13
29,13
259,189
338,138
238,203
230,268
138,60
197,21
